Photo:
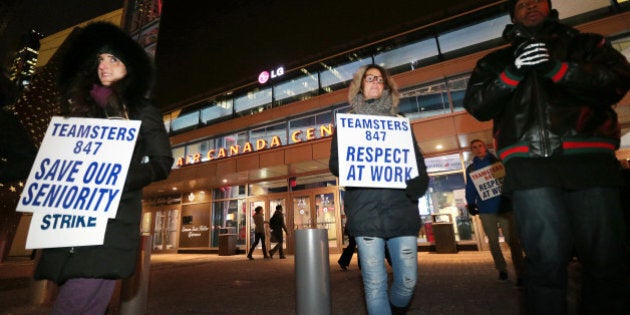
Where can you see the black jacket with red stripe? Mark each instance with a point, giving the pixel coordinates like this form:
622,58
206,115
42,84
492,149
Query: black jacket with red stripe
552,112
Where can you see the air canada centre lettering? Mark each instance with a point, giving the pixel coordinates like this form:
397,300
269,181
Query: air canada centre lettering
297,136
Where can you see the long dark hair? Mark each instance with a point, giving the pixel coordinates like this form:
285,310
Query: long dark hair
78,73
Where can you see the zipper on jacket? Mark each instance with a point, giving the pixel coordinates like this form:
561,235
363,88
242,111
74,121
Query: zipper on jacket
543,133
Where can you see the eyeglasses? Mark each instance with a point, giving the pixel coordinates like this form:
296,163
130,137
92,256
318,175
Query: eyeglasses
528,3
373,78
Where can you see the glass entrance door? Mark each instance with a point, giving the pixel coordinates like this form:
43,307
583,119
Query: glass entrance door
318,209
269,204
165,230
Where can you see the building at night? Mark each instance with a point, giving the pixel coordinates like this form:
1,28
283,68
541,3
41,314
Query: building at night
266,142
25,61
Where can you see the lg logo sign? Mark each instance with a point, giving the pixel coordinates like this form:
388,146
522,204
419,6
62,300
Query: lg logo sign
264,76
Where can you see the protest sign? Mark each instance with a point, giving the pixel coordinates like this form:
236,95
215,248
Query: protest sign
77,180
489,180
375,151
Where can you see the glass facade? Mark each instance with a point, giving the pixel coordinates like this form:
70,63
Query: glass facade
216,111
407,58
398,56
253,102
228,214
473,34
443,96
297,89
335,77
445,198
266,135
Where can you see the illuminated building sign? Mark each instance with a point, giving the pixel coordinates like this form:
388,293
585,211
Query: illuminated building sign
297,136
264,76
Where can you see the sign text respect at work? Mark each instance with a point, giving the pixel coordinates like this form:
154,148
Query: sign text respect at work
375,151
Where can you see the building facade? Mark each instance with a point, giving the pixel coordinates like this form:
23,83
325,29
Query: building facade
268,142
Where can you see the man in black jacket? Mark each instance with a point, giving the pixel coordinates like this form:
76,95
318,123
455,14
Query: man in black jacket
550,95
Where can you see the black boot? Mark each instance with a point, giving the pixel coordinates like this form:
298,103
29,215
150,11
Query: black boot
398,310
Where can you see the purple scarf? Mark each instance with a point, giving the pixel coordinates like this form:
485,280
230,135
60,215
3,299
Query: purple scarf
100,94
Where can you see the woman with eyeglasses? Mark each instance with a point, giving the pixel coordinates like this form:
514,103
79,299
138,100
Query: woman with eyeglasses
380,217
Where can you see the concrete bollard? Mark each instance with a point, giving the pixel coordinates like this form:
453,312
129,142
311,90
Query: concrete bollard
134,291
312,272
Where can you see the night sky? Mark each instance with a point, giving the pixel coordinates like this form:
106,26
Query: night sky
213,46
206,47
49,17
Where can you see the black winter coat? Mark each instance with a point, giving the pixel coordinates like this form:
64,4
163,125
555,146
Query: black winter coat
116,258
553,125
383,213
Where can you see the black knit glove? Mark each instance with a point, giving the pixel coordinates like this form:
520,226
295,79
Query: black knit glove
417,186
472,209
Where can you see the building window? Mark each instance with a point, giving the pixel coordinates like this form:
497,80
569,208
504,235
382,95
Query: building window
227,215
253,102
297,89
186,121
201,148
473,34
216,111
269,135
302,124
425,101
457,89
446,197
335,77
408,57
179,152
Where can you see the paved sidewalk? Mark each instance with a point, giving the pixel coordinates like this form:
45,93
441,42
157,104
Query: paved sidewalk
462,283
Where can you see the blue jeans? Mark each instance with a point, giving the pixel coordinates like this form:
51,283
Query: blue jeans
554,223
404,256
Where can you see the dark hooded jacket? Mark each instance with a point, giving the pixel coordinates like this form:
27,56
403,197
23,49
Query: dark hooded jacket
381,212
558,120
116,258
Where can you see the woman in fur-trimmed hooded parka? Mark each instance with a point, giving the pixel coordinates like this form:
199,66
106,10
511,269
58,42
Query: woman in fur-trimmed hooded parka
105,74
383,217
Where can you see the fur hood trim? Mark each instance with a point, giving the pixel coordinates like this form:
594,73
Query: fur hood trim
79,64
357,84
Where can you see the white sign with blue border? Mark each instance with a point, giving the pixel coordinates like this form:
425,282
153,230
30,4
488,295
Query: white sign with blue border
375,151
77,180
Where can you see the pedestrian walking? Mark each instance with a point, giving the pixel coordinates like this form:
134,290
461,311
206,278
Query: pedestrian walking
494,209
277,226
259,233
